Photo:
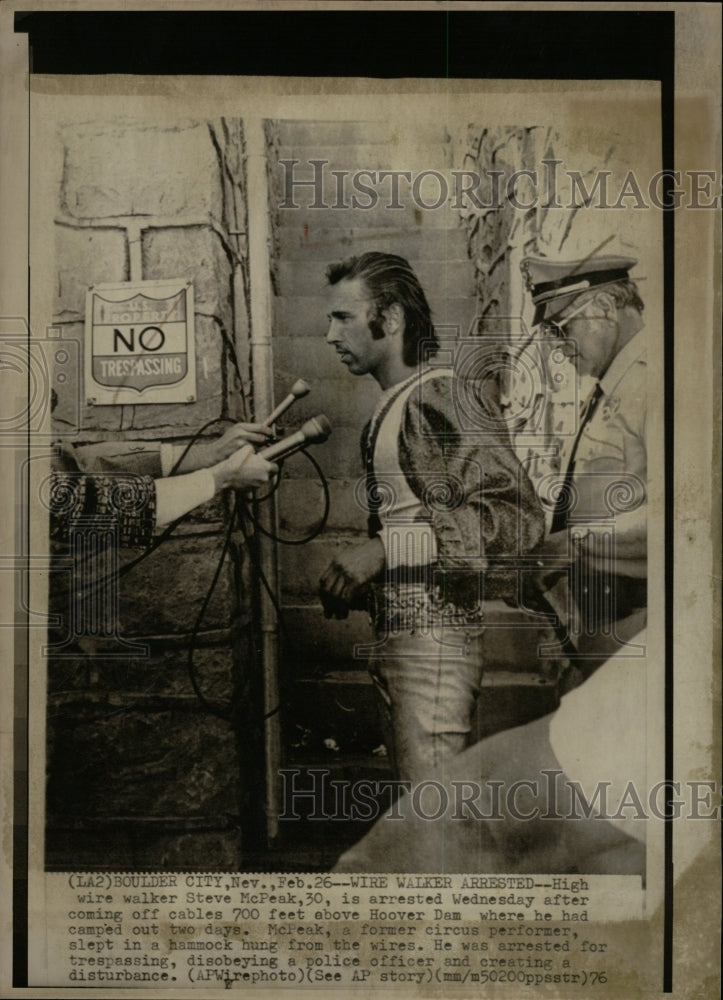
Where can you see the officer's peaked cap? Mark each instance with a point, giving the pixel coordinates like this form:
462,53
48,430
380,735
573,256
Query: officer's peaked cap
553,284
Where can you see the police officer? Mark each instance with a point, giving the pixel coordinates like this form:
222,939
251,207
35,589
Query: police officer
593,311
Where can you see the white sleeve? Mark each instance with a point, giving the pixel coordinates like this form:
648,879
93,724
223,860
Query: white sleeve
176,495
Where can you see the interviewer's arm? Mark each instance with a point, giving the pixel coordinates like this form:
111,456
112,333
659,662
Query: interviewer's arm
205,454
177,495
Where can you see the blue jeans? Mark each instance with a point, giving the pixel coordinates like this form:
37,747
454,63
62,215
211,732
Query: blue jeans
428,680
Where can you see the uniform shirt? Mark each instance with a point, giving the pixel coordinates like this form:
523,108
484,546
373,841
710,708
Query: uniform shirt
613,441
611,463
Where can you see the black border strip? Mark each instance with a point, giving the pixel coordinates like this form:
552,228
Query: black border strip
21,690
668,151
585,45
388,44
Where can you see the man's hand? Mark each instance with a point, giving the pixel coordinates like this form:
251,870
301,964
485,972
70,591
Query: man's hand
205,454
243,470
343,585
237,436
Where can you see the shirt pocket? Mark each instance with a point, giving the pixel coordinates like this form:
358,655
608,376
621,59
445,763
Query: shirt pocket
601,449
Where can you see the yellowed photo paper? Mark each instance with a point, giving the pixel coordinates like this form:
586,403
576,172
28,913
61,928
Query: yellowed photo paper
360,445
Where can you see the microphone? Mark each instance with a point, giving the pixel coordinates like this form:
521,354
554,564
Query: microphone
298,389
314,431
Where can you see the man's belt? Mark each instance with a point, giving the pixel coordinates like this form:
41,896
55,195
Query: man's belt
606,597
464,588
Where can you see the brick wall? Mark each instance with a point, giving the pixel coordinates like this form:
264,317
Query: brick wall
139,774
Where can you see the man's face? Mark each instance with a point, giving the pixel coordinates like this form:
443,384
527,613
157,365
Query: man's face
349,310
590,334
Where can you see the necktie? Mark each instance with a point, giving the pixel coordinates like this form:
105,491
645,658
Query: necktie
561,512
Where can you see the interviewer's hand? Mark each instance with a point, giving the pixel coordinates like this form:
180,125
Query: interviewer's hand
237,436
243,470
342,587
205,454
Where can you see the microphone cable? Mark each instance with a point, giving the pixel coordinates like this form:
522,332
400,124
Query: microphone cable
315,532
220,712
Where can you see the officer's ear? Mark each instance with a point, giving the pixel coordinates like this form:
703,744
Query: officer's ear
393,318
606,304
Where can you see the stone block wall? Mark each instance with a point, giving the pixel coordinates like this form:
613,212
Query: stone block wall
140,774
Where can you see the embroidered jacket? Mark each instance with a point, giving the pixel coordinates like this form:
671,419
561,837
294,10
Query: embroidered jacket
455,454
